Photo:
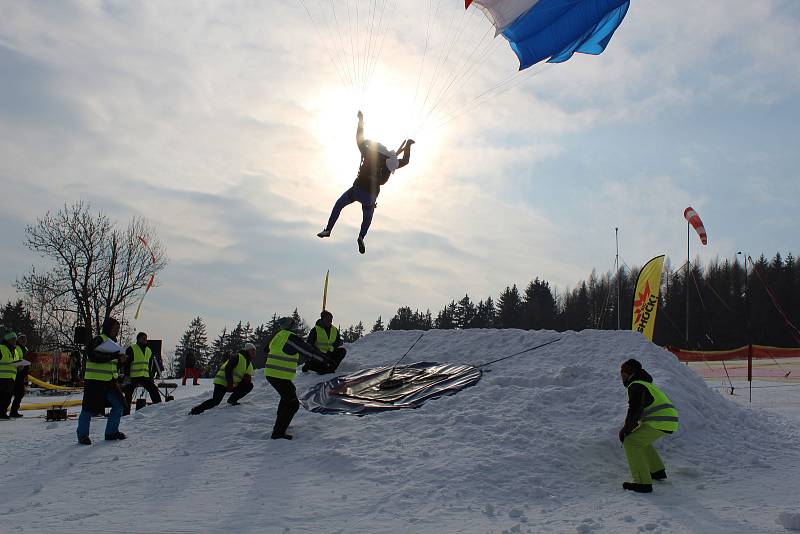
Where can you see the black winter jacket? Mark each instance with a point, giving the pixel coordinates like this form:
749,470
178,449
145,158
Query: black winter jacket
638,399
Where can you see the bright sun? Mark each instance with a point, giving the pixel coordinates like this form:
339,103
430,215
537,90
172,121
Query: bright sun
390,116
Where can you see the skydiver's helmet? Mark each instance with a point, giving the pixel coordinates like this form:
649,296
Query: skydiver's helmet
285,323
387,157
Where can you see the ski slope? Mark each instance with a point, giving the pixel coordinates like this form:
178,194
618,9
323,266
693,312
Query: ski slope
532,447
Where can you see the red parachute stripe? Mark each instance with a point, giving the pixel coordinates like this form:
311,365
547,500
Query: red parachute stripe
694,219
467,3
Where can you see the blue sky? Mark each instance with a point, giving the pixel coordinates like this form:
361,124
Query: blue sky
227,126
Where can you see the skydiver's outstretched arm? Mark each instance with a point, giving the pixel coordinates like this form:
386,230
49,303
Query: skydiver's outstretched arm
405,148
360,133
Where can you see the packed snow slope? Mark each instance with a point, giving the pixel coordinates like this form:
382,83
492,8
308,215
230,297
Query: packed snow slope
532,447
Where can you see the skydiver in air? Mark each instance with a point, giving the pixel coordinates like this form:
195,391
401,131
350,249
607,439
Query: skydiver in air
377,164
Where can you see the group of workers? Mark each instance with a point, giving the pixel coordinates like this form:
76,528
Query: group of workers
650,416
13,374
321,352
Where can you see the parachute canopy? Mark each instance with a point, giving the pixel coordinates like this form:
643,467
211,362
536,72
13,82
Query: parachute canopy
554,30
380,389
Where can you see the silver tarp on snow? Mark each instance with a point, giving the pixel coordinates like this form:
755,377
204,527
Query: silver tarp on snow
380,389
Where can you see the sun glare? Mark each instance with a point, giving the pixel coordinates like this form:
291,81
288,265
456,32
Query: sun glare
390,116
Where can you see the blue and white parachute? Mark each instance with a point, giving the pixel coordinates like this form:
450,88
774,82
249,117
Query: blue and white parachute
554,30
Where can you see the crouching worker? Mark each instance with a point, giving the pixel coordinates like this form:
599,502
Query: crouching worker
325,337
100,383
286,351
235,375
651,416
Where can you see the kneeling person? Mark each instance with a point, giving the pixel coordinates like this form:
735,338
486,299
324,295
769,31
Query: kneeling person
325,337
235,375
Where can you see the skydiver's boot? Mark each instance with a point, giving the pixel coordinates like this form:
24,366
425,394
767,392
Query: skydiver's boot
659,475
361,248
324,233
281,436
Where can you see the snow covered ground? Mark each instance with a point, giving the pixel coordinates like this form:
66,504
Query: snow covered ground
531,448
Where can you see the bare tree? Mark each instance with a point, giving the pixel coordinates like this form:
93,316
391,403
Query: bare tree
99,269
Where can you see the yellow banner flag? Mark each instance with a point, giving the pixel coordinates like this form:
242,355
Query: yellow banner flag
645,297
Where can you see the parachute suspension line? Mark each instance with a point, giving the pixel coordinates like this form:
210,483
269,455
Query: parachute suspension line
531,349
460,77
383,29
340,51
428,32
498,89
404,355
452,33
352,45
317,27
370,21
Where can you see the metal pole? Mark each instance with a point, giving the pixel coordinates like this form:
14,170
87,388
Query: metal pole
616,266
687,285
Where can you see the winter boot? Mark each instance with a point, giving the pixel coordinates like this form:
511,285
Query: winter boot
324,233
195,411
4,416
361,248
84,440
115,436
281,436
659,475
15,414
233,403
638,488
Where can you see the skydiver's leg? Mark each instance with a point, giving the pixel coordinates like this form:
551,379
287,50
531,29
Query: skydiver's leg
368,210
345,200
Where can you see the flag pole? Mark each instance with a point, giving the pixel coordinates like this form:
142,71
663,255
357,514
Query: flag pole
616,266
687,283
325,291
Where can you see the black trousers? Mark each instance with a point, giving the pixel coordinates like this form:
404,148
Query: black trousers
333,359
149,386
6,392
19,388
219,393
288,405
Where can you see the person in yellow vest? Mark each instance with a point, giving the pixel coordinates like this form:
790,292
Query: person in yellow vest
141,361
650,416
100,384
235,375
22,375
325,337
8,373
286,351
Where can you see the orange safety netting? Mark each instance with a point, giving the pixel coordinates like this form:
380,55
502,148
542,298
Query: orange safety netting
759,352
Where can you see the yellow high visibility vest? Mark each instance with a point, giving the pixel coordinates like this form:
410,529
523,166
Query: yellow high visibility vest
659,414
6,359
279,364
243,367
140,368
103,372
325,342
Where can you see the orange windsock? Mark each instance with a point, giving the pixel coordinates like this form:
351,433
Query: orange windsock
694,219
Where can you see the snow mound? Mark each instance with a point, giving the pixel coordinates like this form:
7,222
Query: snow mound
531,447
544,424
789,520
